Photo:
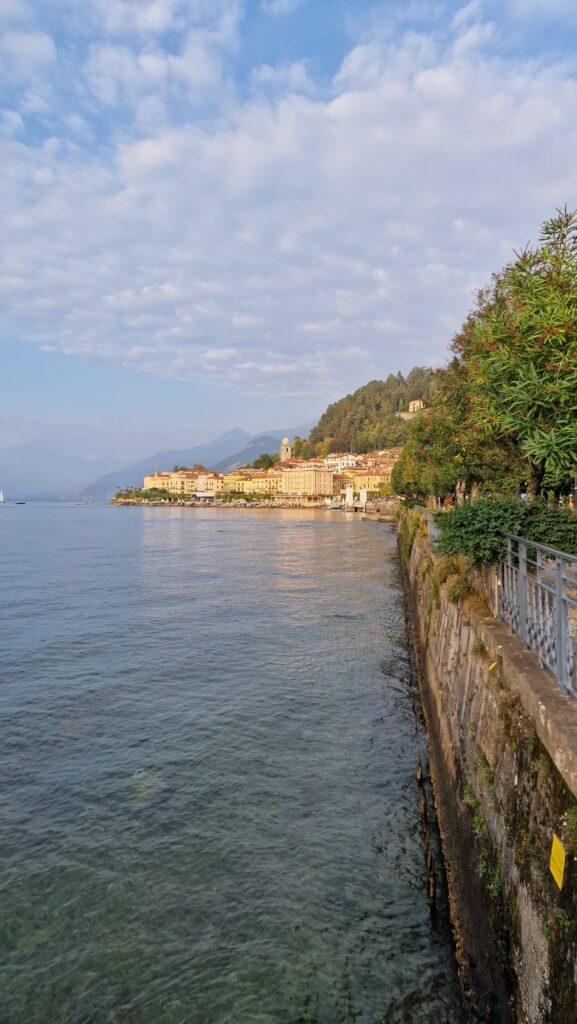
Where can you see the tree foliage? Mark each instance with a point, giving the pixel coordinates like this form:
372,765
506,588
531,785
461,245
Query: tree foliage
367,419
448,448
504,416
152,494
520,348
266,461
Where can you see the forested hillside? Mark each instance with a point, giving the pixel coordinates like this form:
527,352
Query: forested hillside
368,418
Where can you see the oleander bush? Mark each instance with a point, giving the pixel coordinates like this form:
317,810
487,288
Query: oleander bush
477,529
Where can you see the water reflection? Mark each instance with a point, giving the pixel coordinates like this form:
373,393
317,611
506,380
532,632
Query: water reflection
208,752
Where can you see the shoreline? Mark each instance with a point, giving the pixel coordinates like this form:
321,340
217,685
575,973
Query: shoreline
369,514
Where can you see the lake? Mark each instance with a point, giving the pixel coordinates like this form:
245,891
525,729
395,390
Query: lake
210,813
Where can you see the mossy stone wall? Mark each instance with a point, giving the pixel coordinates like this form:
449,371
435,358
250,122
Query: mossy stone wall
500,798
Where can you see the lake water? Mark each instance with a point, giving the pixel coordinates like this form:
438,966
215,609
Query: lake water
207,759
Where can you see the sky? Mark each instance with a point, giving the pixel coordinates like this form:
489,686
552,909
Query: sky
220,213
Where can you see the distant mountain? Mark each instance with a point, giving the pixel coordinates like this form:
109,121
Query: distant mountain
233,449
30,472
258,446
263,443
301,431
131,476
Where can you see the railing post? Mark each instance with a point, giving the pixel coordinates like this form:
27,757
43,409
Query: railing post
500,586
561,626
522,553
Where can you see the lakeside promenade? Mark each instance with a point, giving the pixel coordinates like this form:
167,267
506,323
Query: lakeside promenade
384,510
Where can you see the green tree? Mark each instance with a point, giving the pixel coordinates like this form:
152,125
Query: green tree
448,451
504,413
266,461
302,449
520,347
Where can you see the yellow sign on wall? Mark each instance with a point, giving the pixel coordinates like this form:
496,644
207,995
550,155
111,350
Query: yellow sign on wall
557,861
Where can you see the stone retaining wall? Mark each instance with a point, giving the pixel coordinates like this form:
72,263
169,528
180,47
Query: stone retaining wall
503,752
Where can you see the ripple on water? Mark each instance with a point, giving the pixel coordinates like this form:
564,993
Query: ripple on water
210,813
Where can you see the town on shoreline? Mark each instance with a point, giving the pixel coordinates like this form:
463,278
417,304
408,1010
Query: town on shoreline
341,480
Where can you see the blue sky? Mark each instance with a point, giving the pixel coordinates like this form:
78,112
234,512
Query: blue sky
231,212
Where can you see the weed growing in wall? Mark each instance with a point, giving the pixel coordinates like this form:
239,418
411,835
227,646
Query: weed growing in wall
458,587
409,520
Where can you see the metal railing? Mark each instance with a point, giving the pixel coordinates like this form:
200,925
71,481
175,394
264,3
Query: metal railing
433,531
432,528
538,600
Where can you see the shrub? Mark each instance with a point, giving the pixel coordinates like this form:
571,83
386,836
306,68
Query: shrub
435,590
546,524
446,567
409,523
457,588
477,528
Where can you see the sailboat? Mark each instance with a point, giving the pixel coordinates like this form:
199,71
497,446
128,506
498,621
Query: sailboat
1,496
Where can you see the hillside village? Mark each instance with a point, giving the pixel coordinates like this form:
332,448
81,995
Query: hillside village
341,478
336,479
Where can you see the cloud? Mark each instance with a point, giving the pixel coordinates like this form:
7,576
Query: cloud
281,6
11,122
286,78
149,79
298,240
14,11
546,9
154,18
470,12
23,54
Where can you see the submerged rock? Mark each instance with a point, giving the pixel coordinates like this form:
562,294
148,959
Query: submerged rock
148,787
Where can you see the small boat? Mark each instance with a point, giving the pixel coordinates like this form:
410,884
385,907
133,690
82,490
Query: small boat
19,502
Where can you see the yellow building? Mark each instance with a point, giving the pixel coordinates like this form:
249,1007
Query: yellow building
209,485
235,483
371,479
415,407
305,481
186,483
183,482
264,483
156,480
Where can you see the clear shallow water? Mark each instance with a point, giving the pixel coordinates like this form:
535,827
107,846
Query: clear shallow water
207,762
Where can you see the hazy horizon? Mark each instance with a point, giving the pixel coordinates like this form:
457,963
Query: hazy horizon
94,441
